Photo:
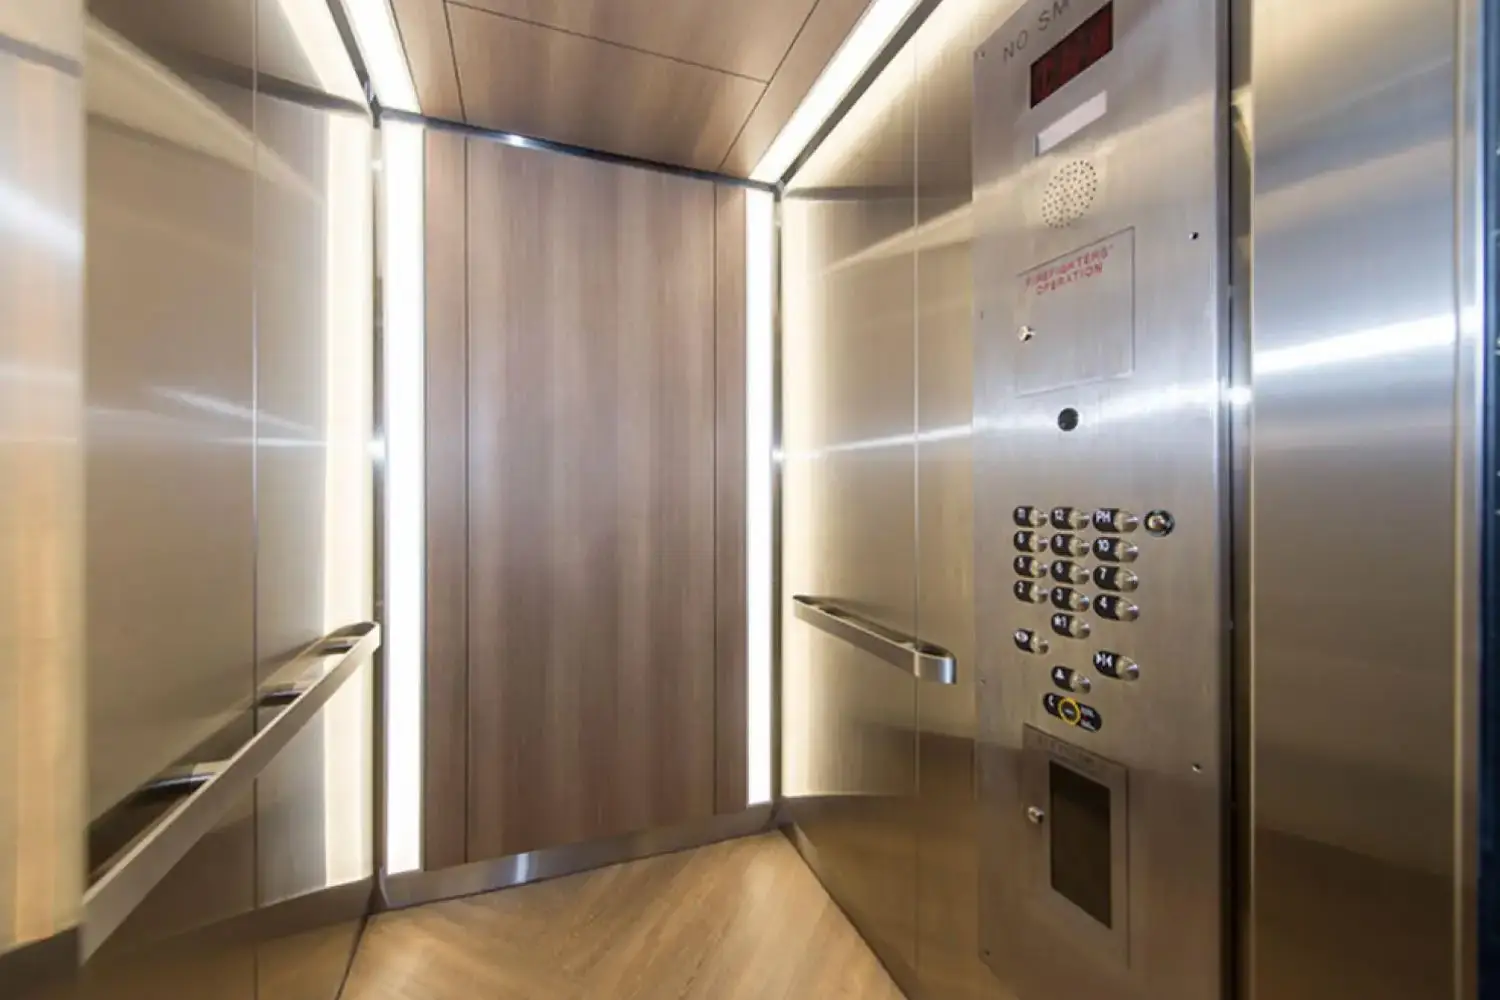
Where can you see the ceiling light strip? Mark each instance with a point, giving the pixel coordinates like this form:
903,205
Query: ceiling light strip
881,20
379,43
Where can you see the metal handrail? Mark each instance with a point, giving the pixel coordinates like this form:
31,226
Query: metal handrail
924,660
122,888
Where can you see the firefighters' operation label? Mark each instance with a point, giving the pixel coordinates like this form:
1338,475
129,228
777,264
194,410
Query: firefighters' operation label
1080,313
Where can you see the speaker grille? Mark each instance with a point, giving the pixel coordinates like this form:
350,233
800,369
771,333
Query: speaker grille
1070,193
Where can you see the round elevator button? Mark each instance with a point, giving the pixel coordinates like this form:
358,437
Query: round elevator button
1068,711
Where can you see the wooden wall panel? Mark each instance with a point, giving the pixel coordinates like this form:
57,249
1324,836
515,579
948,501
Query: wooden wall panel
591,500
428,40
445,762
729,486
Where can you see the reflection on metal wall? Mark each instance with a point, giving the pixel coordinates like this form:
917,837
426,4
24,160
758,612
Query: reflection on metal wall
882,211
230,335
1356,425
848,511
41,471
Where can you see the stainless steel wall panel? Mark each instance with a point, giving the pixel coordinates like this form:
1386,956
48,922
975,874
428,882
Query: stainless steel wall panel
41,490
1354,434
848,724
187,938
313,253
171,403
54,28
1147,435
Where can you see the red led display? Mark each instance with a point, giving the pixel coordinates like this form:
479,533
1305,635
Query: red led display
1085,45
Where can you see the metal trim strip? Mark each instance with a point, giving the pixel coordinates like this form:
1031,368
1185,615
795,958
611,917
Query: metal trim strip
115,896
924,660
584,152
415,888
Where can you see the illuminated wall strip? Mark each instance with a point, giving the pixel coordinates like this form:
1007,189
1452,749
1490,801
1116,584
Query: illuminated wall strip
348,531
760,291
404,343
880,22
379,42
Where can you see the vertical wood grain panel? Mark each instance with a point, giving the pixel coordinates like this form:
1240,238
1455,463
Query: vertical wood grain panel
591,494
731,789
445,763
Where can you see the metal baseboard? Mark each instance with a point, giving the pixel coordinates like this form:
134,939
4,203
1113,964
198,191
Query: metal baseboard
415,888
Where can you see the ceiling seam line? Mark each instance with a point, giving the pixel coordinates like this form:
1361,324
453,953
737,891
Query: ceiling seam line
605,41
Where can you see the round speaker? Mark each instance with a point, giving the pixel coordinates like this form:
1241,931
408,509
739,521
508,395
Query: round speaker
1070,193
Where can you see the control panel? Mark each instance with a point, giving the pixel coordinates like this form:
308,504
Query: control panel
1099,539
1089,582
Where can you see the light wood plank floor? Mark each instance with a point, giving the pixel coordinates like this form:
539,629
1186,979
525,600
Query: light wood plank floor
741,920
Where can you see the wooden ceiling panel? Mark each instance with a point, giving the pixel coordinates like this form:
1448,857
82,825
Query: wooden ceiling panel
429,54
746,37
826,29
537,81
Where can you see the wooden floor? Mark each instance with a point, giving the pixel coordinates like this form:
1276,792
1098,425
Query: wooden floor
742,920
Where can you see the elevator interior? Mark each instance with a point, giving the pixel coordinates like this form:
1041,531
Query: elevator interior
1048,489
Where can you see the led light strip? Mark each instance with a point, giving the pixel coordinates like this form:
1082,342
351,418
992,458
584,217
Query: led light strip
760,291
865,42
385,60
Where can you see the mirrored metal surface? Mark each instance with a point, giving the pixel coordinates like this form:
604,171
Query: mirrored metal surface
275,45
41,484
1354,430
313,344
171,414
848,724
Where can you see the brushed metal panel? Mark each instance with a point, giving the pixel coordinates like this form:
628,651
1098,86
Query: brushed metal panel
428,42
591,611
848,518
182,939
41,500
745,38
546,83
53,26
731,653
445,756
171,497
820,37
1148,440
292,43
1353,358
292,299
313,290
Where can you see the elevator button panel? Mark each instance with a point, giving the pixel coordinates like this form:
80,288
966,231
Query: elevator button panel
1073,712
1029,566
1070,626
1069,679
1029,642
1031,592
1064,571
1069,518
1029,517
1113,665
1115,550
1115,578
1069,545
1029,541
1115,521
1160,523
1069,599
1116,608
